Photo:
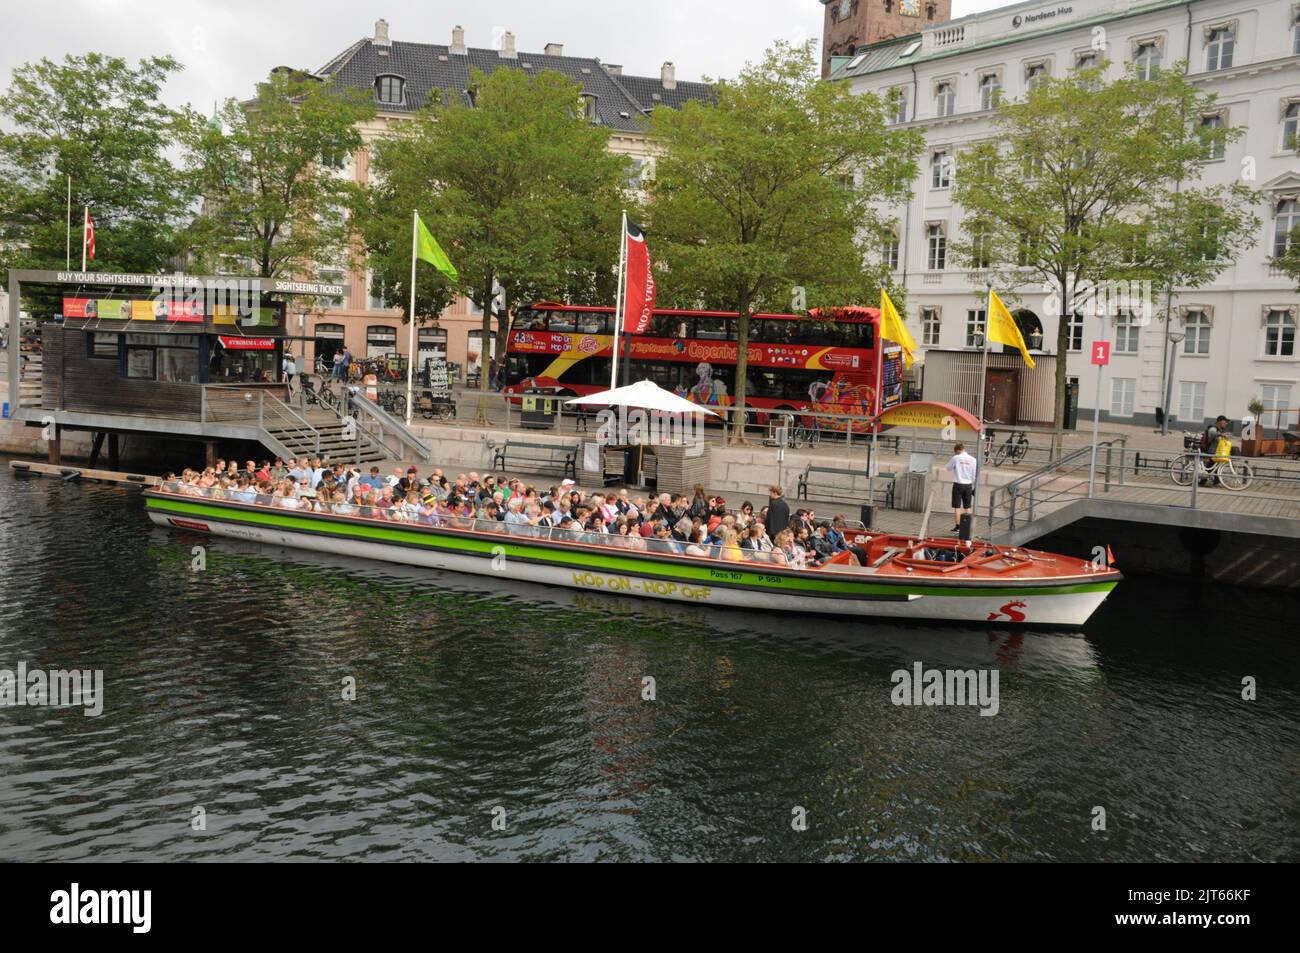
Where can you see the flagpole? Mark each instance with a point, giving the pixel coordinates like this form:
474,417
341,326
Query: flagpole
410,341
983,384
67,250
618,304
85,219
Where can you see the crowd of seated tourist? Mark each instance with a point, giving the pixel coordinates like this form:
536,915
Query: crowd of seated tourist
696,525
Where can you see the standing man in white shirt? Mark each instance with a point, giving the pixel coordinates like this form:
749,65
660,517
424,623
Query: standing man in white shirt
962,466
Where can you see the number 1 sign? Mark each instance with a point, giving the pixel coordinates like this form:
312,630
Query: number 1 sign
1101,353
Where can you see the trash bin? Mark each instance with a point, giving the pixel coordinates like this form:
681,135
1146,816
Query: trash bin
910,491
1071,404
537,411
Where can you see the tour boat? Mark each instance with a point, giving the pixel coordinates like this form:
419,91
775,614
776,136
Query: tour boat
904,577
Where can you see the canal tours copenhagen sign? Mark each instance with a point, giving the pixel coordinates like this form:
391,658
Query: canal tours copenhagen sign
930,415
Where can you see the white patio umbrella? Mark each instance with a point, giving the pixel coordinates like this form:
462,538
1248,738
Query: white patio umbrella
644,394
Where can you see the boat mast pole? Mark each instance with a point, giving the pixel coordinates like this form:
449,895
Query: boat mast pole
618,304
983,384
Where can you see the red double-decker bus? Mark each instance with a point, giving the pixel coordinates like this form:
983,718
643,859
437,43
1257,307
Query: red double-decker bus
822,362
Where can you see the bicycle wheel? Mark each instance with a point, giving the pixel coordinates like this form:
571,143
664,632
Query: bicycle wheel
1235,475
796,438
446,411
1020,450
1183,470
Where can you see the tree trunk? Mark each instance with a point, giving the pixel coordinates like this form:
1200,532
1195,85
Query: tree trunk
1062,353
485,342
503,328
742,371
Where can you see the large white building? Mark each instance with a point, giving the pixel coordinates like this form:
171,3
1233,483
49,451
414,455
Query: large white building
1240,331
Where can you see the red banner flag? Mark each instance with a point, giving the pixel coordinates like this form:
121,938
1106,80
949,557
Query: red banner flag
639,287
89,237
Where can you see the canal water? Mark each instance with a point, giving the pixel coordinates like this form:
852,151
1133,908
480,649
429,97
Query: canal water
506,721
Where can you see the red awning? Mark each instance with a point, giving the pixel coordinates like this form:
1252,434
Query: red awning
246,344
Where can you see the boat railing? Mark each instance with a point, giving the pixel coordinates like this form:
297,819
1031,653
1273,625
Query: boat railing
405,514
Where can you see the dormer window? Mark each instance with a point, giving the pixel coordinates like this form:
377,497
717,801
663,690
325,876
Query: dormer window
589,108
390,89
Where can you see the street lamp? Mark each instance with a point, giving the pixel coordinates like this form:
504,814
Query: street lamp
1175,339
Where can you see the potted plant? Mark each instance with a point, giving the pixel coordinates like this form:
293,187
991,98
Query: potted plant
1250,448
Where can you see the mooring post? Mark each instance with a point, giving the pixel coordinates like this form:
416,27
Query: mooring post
112,452
53,444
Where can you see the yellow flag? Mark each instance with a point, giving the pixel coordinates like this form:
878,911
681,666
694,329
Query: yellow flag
893,329
1003,328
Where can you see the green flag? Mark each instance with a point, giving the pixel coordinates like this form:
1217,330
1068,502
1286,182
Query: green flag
429,250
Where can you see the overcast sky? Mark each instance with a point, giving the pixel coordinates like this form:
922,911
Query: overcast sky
227,45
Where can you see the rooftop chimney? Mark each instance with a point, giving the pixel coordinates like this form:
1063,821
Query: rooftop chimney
554,49
381,33
508,46
613,69
668,76
458,39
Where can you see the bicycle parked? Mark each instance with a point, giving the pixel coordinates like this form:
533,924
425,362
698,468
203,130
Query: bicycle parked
1013,449
319,394
1216,469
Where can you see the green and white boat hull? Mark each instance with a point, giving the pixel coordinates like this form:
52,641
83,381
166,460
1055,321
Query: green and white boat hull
1060,602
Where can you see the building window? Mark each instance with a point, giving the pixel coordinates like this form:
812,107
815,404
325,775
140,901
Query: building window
377,294
1126,333
170,358
898,105
1191,401
1074,333
1219,48
1088,61
330,276
1214,138
938,248
589,111
380,340
1291,127
1123,392
945,99
1197,342
930,327
889,251
975,328
1288,219
390,89
102,345
1147,60
990,91
1279,333
1276,399
940,170
1035,73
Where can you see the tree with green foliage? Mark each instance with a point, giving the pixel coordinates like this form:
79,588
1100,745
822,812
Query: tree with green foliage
101,121
774,197
1087,182
272,172
519,189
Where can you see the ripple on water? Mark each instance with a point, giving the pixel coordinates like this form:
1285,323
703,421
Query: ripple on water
224,693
